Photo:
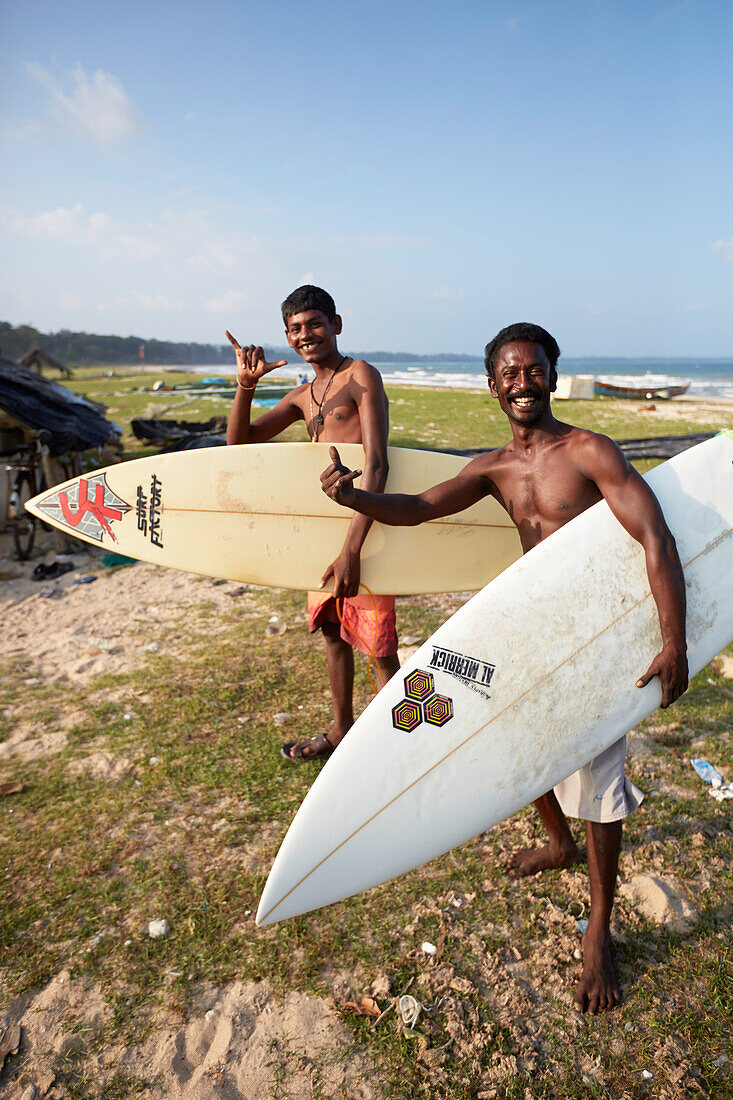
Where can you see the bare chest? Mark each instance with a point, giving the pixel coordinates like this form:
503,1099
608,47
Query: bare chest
541,497
331,414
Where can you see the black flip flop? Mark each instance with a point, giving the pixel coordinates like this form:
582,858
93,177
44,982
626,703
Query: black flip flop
322,749
45,572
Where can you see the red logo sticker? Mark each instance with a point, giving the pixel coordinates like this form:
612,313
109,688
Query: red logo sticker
88,506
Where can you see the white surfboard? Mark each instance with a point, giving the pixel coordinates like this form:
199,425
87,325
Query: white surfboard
527,682
256,513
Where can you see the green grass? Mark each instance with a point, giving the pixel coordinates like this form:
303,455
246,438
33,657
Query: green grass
129,394
87,863
430,417
83,857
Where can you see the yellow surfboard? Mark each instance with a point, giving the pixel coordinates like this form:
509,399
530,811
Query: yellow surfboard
257,514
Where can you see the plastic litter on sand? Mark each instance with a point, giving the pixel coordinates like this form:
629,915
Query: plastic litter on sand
719,789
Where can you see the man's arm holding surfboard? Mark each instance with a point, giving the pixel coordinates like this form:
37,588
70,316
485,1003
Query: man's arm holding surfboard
637,509
251,367
403,509
629,498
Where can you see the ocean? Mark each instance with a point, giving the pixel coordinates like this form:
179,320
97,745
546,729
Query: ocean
707,378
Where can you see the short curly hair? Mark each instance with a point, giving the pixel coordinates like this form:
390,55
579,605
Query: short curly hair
308,297
522,330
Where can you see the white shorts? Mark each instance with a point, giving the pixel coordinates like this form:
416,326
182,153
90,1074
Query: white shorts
600,791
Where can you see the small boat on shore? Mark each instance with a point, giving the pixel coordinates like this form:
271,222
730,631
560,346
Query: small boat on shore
639,393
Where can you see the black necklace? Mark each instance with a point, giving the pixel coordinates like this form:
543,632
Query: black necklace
318,418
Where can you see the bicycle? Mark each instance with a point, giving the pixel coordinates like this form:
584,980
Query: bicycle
25,479
25,471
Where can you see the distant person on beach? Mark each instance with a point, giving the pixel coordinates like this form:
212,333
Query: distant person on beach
345,403
545,476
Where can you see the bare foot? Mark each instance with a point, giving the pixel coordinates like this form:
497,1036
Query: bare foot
530,861
598,989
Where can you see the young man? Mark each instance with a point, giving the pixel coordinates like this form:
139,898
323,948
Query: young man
345,403
546,475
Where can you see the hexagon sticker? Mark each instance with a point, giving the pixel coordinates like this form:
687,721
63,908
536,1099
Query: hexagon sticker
419,684
407,715
438,710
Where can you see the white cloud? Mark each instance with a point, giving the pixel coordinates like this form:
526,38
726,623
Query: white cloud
139,247
97,105
448,294
75,227
228,302
97,222
155,303
724,249
129,269
54,223
158,303
70,301
59,224
214,255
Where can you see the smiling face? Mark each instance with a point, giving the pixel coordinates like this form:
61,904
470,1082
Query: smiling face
313,336
523,381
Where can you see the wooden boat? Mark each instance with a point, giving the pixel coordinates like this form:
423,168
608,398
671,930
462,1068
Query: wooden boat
639,393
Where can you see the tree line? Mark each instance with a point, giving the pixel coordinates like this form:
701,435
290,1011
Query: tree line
85,349
89,349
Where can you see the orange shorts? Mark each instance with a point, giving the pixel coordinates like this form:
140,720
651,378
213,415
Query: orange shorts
366,621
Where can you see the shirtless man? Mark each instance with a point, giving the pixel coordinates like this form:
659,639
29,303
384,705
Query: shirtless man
345,403
546,475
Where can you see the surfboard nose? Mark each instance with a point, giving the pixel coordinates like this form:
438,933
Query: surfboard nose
265,910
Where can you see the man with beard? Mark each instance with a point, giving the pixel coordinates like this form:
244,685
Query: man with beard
545,476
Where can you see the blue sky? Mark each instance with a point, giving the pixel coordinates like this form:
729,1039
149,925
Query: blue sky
444,169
